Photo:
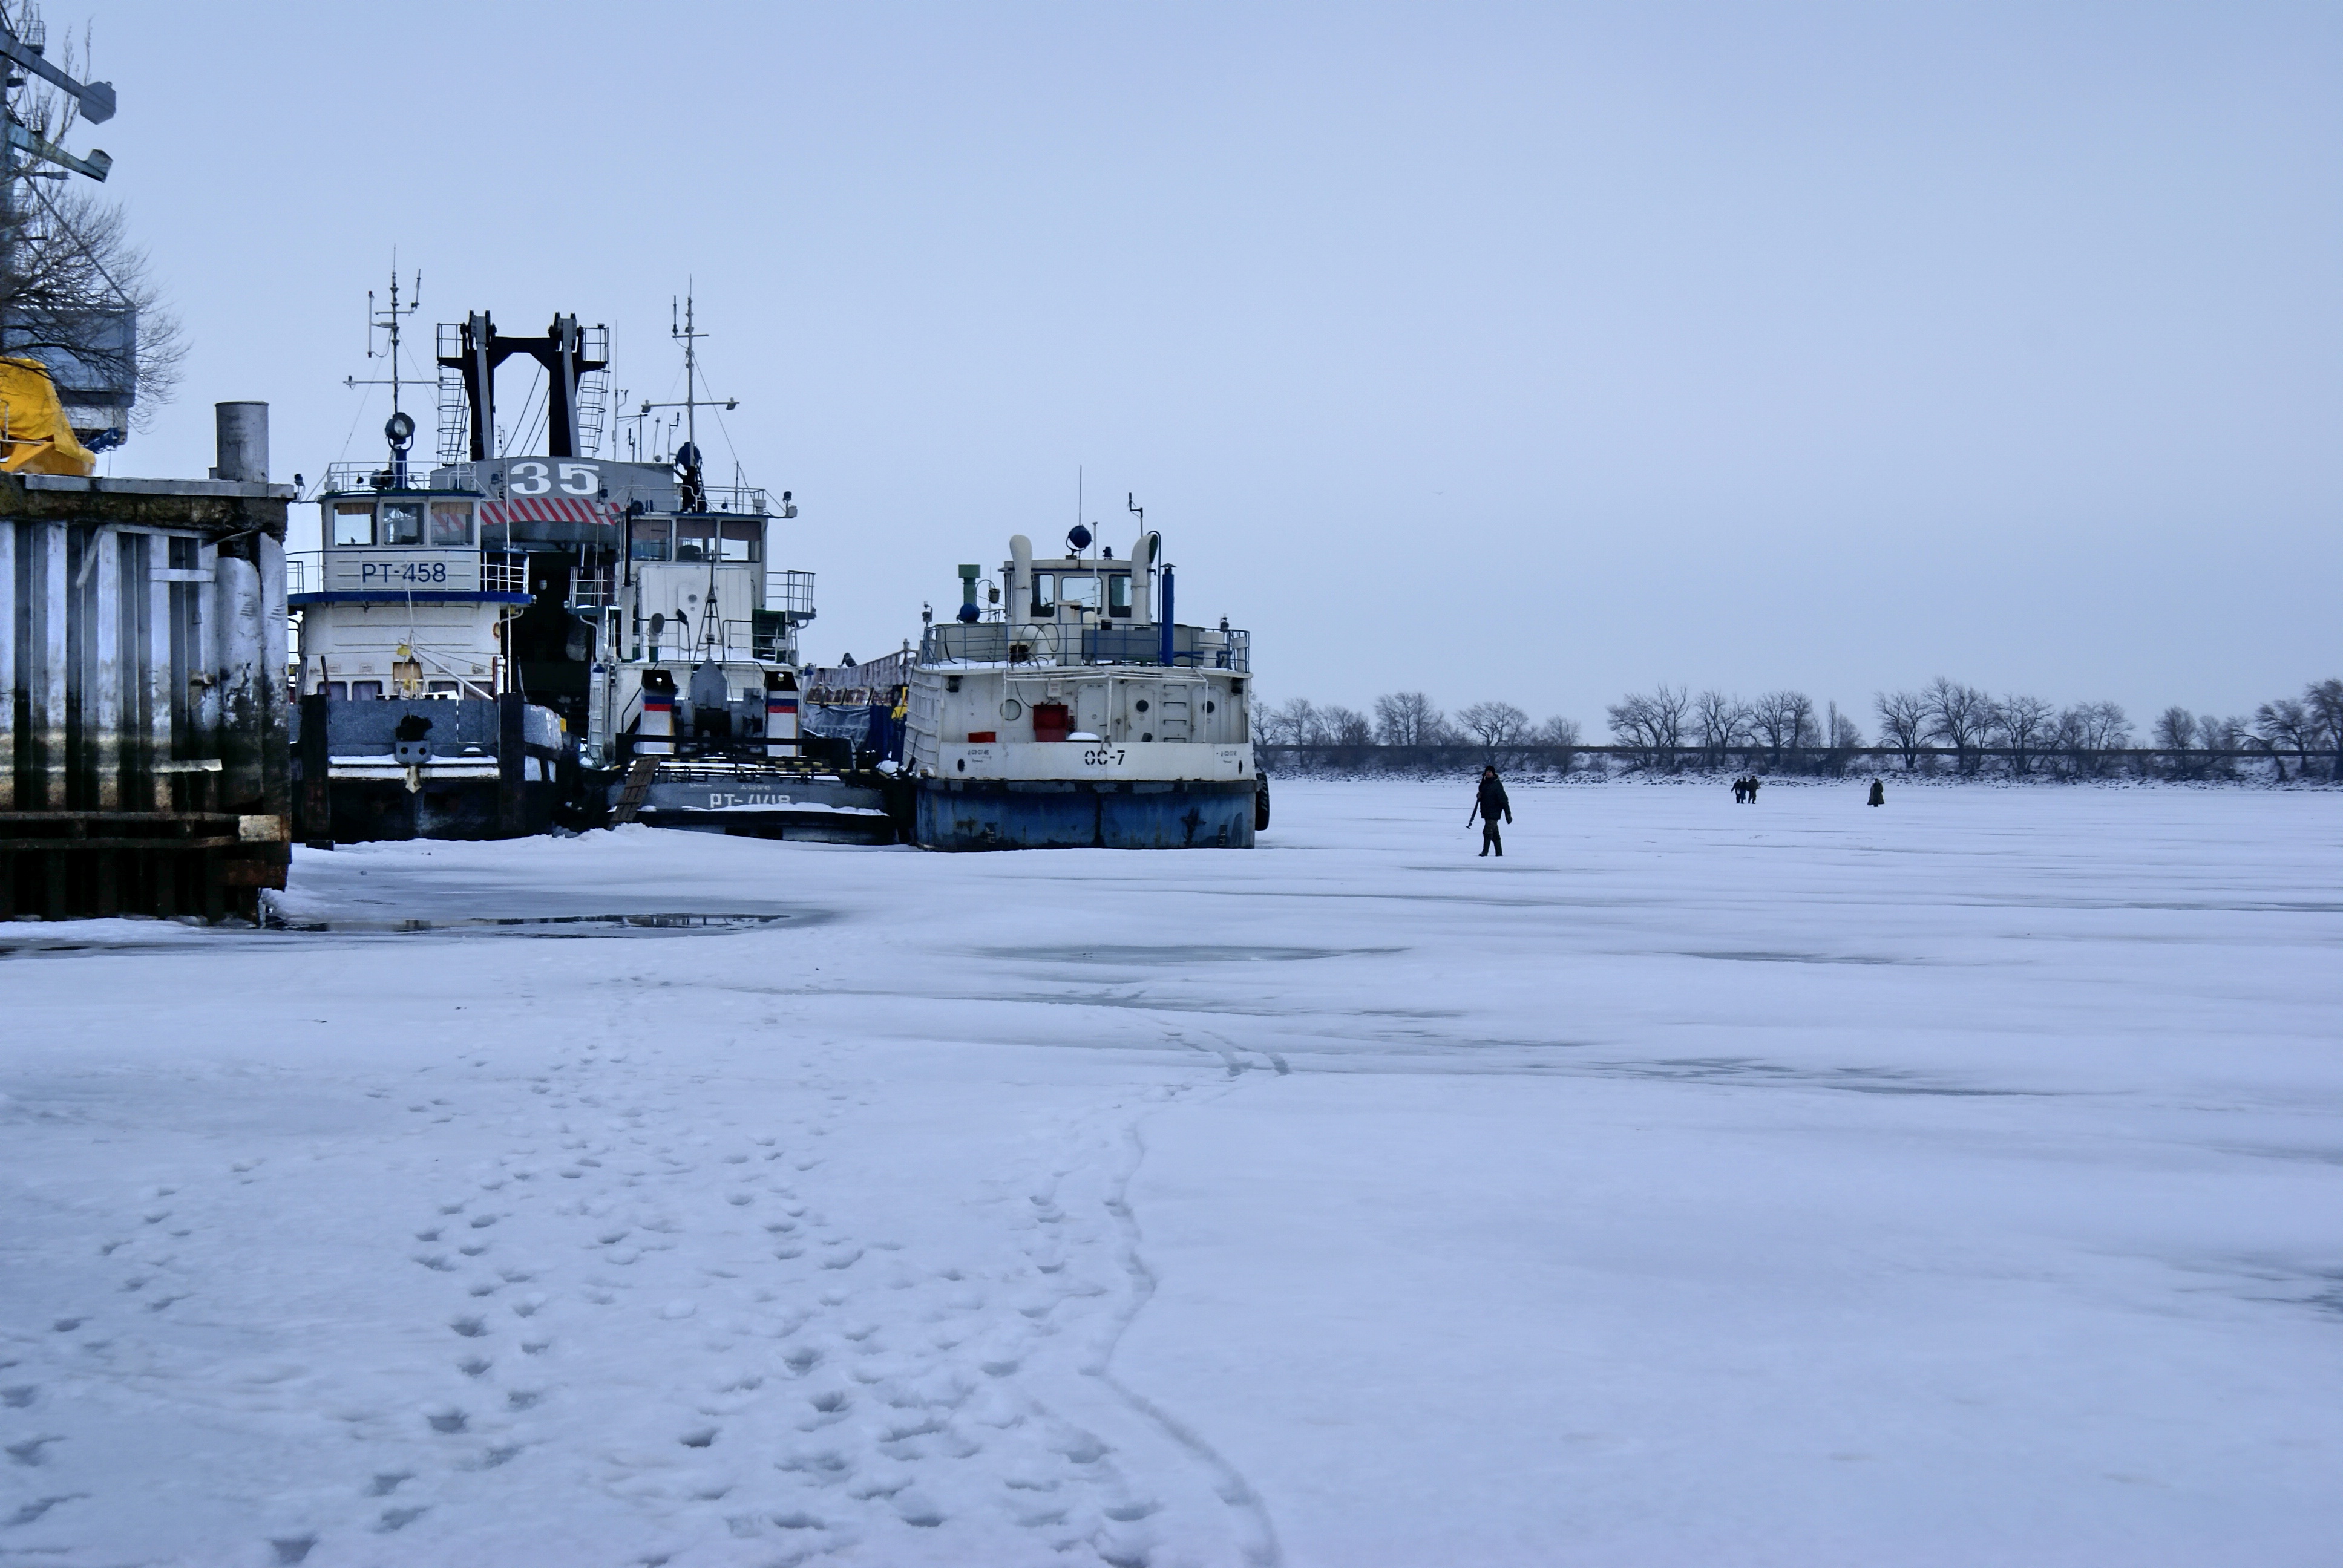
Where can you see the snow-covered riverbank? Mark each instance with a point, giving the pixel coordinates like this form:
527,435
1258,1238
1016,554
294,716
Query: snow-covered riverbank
1796,1184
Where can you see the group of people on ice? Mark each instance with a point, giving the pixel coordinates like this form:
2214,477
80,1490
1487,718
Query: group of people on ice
1490,804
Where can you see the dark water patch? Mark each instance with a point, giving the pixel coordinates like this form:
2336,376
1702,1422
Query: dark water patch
57,940
538,925
1152,953
2266,1152
1768,957
1405,1059
1754,1070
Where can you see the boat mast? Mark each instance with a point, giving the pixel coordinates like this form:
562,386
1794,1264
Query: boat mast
399,429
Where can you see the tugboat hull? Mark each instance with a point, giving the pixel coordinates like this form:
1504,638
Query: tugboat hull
428,768
367,809
1136,814
748,802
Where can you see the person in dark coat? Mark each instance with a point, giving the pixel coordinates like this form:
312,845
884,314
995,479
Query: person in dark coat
1878,793
1489,805
1741,791
1754,782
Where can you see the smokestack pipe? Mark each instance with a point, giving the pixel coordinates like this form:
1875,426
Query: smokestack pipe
242,442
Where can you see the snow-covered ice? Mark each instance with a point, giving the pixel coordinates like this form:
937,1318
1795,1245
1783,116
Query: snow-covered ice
1802,1184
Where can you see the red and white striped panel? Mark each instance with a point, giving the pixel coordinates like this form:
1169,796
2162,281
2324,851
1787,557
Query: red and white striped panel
548,509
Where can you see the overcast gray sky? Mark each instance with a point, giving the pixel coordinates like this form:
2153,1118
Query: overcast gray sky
1534,352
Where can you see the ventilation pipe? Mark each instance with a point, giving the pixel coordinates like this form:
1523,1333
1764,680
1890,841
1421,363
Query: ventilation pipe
1170,637
242,430
1143,551
969,613
1021,588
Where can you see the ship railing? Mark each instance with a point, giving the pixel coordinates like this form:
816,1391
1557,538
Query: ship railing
590,591
790,594
732,642
363,478
996,642
504,575
749,499
593,342
304,571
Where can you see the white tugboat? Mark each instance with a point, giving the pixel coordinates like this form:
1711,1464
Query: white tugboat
1079,712
413,721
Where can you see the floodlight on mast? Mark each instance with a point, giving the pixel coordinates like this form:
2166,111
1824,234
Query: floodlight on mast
95,100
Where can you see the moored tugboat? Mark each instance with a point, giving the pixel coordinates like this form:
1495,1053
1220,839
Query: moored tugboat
694,706
510,643
1079,712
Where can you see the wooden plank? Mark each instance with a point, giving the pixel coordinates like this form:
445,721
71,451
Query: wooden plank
64,845
638,789
225,820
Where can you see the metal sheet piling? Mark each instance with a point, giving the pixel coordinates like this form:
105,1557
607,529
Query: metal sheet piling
144,766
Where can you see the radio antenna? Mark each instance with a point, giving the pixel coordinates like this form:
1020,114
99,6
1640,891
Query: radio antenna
399,430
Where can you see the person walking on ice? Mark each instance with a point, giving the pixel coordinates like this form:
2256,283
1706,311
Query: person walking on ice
1489,805
1878,793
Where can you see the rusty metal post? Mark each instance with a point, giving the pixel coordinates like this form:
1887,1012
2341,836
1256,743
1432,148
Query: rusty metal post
512,761
316,783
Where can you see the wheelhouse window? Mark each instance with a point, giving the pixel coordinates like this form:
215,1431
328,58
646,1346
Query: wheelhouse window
696,538
1118,594
353,523
1045,593
401,522
1079,590
743,541
451,524
649,540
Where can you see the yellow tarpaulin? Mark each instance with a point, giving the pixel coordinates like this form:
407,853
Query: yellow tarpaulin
34,436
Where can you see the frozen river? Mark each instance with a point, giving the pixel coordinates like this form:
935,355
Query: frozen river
1793,1184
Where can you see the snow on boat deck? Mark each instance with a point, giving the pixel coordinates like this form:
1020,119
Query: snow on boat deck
1799,1183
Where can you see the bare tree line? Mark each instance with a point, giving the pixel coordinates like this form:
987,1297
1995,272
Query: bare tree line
1943,725
1411,719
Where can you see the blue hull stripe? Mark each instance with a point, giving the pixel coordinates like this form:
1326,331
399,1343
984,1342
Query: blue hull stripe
1203,814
